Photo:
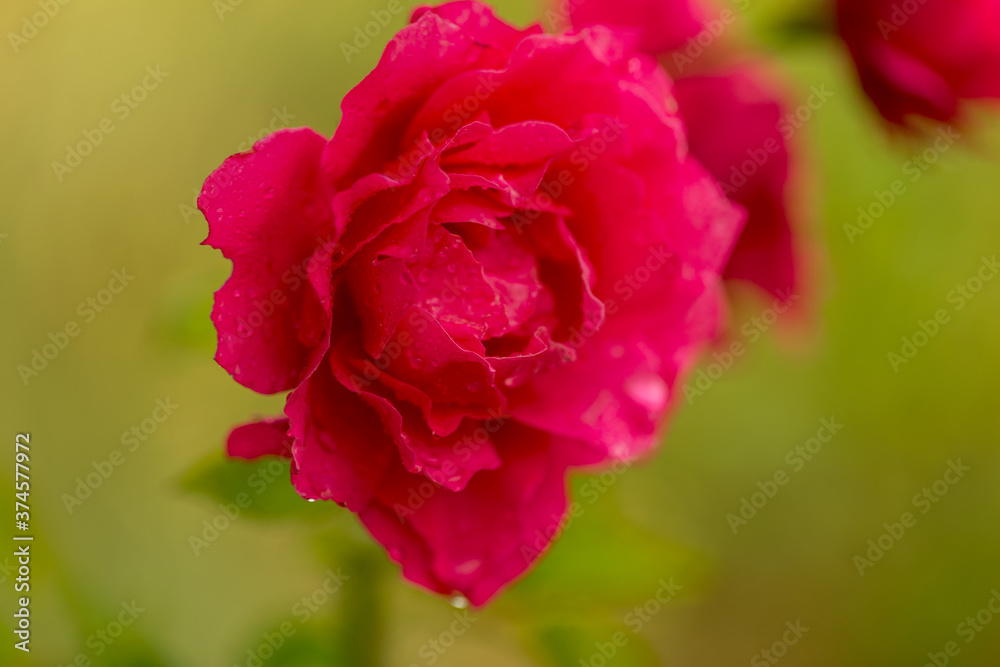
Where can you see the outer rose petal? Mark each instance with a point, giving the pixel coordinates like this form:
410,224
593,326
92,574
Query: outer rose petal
449,460
661,25
263,438
480,539
418,59
478,21
269,211
945,52
341,450
731,117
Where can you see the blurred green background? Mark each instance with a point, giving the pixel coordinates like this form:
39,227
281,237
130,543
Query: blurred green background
231,70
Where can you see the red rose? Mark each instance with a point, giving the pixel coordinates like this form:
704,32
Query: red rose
922,57
494,272
738,128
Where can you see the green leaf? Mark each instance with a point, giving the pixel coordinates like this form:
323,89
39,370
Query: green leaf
593,642
348,631
183,318
601,558
260,488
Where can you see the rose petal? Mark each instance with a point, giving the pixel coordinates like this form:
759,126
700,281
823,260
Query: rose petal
479,22
480,539
263,438
659,25
341,449
450,460
946,52
376,112
268,315
733,121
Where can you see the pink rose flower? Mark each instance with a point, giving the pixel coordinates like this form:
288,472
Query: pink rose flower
495,272
737,129
922,57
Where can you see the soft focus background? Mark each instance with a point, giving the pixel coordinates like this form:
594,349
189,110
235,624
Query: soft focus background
232,70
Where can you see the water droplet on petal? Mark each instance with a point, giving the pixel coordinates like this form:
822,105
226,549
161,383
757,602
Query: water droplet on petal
648,390
619,451
469,566
460,602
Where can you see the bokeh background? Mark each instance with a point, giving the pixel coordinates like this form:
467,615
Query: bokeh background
234,70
